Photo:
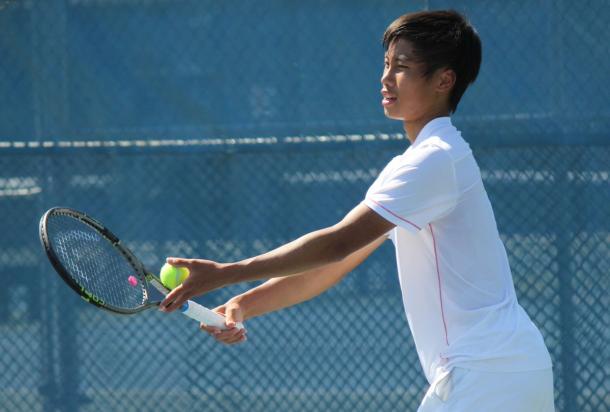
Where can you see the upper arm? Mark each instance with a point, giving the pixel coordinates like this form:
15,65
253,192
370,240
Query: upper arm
329,275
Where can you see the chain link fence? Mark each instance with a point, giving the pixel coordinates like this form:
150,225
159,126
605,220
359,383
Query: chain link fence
223,129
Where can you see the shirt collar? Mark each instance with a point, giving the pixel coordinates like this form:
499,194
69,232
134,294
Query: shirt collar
432,127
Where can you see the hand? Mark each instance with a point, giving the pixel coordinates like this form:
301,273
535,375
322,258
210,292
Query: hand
205,275
233,314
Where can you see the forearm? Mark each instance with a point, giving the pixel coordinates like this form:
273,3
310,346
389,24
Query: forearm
360,228
308,252
279,293
323,247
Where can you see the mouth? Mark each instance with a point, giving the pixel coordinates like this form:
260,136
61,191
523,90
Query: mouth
388,99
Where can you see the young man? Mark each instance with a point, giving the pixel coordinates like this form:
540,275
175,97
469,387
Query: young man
478,348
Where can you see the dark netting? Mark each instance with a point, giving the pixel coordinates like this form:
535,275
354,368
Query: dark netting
348,349
92,262
223,129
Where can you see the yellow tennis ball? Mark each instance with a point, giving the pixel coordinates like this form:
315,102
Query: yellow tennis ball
172,276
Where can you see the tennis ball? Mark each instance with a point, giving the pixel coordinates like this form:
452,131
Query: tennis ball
172,276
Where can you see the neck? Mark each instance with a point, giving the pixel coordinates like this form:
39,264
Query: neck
413,127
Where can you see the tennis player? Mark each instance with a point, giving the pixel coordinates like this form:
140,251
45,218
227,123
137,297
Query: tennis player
478,348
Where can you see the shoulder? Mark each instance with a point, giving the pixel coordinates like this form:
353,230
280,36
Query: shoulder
432,152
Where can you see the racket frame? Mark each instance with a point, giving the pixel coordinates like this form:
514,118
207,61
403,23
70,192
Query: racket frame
191,309
136,265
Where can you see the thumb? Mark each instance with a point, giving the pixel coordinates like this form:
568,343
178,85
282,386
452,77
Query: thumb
233,315
220,309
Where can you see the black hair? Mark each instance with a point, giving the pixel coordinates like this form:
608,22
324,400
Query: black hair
440,39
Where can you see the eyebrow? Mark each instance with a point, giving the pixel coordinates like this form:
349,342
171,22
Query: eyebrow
401,57
404,57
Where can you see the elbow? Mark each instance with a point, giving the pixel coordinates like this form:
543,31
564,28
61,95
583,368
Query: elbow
338,248
335,254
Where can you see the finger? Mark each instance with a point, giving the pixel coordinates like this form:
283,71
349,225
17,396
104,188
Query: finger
179,262
241,337
173,300
212,330
216,333
169,298
229,335
237,341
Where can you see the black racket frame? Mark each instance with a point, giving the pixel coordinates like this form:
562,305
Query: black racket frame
139,270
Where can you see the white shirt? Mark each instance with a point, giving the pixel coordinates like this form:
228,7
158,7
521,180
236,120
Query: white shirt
453,269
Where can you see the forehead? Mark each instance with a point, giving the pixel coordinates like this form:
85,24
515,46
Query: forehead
401,49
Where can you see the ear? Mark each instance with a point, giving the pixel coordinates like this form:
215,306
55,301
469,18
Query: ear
446,81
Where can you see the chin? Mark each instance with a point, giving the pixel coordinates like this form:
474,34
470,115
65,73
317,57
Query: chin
393,116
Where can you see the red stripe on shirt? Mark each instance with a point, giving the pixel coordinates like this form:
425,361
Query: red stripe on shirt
395,215
440,290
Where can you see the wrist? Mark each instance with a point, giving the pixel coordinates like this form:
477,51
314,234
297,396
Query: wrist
232,272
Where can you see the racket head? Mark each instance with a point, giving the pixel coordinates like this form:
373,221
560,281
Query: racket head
93,262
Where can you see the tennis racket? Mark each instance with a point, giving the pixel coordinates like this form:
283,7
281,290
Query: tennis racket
97,266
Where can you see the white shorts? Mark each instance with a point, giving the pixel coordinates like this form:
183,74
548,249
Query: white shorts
467,390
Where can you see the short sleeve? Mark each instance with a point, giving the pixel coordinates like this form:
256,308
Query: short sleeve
415,189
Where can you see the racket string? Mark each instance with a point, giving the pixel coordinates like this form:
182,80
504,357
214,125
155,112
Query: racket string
94,263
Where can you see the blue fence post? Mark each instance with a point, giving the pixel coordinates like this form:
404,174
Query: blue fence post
49,61
565,233
566,229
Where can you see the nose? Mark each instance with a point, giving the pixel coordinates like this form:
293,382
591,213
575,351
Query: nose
386,77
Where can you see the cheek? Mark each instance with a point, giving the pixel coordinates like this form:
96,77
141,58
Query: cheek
414,102
406,86
409,96
415,95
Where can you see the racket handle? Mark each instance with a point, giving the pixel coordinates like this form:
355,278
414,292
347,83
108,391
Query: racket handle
202,314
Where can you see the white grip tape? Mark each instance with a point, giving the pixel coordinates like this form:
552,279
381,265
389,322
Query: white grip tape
202,314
